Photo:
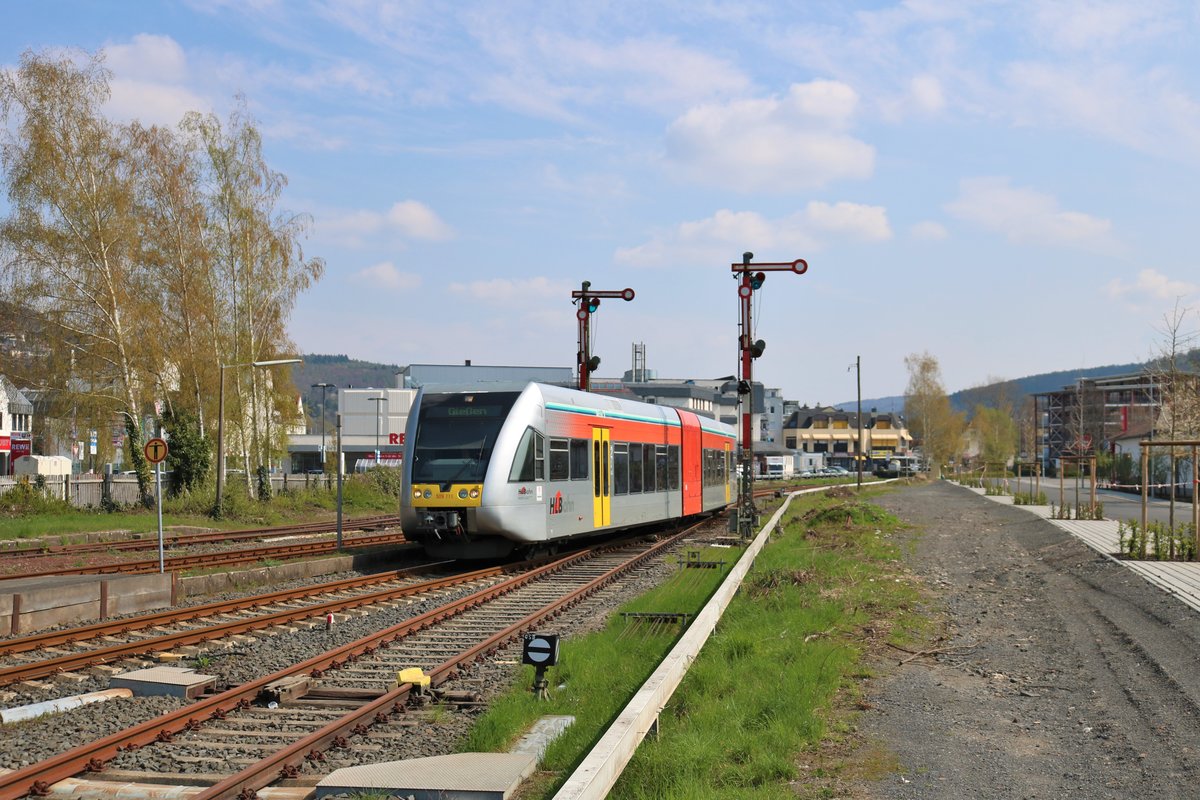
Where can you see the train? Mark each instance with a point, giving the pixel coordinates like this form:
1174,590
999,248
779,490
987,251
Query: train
489,472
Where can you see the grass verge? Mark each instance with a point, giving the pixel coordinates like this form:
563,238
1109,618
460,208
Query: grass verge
763,691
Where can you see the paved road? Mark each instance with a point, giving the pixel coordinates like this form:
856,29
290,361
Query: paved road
1117,505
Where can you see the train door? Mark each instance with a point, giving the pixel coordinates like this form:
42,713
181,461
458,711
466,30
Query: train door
691,455
601,483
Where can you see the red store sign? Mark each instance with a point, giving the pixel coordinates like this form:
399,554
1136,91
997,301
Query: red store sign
21,447
5,444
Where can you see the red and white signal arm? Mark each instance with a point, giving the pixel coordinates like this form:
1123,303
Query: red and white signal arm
155,450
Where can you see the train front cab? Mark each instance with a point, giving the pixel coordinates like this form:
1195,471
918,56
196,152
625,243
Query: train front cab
454,439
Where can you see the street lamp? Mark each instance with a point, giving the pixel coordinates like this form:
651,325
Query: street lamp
324,387
378,417
221,419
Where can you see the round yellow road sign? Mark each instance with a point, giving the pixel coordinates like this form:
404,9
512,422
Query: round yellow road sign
155,450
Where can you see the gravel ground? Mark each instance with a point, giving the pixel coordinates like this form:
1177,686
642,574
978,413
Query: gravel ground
29,742
1064,675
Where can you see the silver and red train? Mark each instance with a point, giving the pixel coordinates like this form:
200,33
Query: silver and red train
489,471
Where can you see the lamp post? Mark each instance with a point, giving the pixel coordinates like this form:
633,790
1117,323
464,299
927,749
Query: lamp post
221,419
324,387
378,401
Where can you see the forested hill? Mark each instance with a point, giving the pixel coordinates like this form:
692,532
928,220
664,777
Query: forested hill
343,372
1015,390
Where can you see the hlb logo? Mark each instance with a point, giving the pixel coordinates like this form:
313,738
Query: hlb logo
556,505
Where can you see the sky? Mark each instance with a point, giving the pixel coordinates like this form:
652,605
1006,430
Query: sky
1009,186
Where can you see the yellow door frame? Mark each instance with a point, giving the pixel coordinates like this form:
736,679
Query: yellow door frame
601,480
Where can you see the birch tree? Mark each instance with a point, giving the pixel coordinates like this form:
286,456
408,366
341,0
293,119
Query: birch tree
259,269
72,234
928,413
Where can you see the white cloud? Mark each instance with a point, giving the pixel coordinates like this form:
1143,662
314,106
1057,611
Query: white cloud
1103,25
648,72
418,221
1152,284
778,143
927,93
853,220
929,231
148,54
149,80
721,237
1149,111
407,219
385,275
1027,216
508,289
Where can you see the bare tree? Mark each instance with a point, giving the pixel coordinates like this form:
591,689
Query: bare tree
928,413
1175,373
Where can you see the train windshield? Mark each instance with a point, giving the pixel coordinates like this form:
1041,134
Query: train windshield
456,434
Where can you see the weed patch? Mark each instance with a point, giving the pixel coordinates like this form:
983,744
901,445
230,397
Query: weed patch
823,591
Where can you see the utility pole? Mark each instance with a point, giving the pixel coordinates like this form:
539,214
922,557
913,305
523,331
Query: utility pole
324,387
589,302
378,401
859,443
750,279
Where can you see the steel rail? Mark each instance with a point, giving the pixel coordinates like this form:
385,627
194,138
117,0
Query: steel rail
82,633
226,557
37,778
212,537
287,762
220,630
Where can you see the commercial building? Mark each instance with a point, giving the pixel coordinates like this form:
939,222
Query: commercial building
1094,414
16,422
835,433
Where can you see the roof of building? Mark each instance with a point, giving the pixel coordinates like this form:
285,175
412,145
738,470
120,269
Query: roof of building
18,403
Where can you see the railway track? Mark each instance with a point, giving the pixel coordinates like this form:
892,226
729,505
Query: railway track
342,705
213,537
198,626
246,555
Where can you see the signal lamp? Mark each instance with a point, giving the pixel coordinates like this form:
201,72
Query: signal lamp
757,279
757,348
593,303
593,363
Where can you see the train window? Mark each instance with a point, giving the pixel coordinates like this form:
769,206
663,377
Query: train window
620,468
530,462
648,476
455,435
660,467
560,460
596,467
673,467
579,459
635,468
604,466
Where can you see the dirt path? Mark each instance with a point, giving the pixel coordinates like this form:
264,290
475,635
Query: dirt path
1065,675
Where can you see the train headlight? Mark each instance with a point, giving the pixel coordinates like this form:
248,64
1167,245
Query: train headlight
428,493
416,494
462,494
474,493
